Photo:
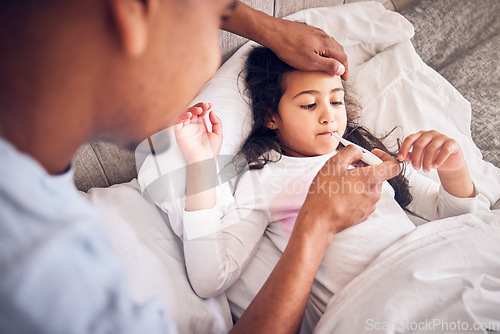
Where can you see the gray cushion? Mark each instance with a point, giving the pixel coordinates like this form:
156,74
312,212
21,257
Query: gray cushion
100,164
460,39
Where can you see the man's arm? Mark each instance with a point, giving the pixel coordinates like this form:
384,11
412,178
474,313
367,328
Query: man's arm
301,46
279,306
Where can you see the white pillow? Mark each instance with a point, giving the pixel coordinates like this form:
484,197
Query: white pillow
154,259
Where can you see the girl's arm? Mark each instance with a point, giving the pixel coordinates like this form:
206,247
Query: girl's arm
200,149
219,242
456,195
431,149
216,247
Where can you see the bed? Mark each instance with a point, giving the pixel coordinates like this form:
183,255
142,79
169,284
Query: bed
419,72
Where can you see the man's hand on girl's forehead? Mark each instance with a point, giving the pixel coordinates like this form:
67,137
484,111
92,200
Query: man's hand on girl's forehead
229,10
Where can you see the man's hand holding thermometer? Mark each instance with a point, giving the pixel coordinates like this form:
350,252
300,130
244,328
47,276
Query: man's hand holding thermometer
368,157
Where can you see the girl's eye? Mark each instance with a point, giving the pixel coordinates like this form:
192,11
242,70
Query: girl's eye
337,103
308,106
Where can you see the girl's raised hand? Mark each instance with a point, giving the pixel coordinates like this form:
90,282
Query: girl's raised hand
195,141
432,149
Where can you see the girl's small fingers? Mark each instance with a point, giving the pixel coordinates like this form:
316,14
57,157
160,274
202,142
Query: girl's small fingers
428,159
414,158
198,119
204,107
178,126
406,146
442,156
207,106
430,154
203,121
187,115
419,147
195,110
216,123
448,149
407,158
200,109
418,163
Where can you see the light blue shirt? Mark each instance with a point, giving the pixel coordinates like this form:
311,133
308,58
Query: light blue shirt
58,272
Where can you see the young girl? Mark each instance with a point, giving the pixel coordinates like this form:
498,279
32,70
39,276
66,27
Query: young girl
295,114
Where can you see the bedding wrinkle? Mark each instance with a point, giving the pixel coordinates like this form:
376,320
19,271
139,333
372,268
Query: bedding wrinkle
430,248
482,295
387,83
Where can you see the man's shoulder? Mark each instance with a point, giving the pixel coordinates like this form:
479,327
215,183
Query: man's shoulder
33,201
54,250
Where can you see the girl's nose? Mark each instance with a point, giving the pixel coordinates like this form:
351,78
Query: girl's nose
326,116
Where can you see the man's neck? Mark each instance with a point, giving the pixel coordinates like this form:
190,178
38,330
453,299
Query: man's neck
51,144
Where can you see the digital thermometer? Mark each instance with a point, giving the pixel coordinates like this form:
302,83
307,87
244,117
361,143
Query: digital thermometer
368,157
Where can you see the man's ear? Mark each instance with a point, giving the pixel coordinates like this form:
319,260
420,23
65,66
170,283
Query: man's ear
131,19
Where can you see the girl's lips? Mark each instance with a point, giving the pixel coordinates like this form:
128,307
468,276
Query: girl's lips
329,133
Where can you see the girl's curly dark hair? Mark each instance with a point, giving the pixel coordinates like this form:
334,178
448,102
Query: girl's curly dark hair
263,76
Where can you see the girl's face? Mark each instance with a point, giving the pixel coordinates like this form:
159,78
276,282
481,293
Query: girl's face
310,110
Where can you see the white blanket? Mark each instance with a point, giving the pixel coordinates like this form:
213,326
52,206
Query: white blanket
444,277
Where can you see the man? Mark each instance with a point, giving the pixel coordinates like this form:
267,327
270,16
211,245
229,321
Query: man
121,70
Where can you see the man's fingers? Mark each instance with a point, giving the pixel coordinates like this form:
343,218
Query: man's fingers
379,153
384,156
346,157
331,66
331,49
388,169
